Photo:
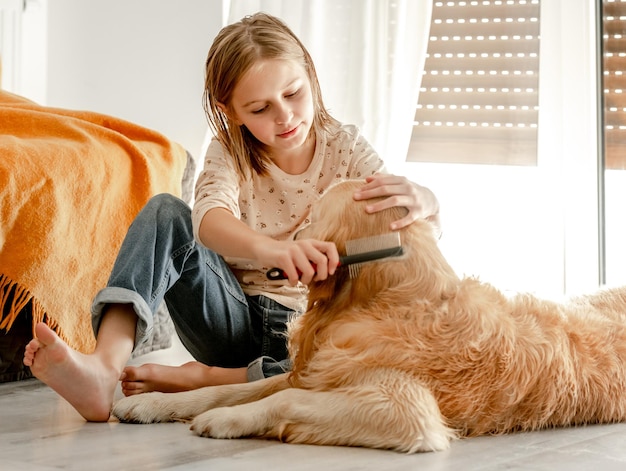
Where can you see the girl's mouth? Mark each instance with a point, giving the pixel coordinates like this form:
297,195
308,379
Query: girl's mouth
289,133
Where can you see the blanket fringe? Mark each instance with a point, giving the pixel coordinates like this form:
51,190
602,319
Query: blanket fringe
13,299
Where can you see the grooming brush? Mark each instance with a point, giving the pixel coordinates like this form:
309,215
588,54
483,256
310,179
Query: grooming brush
359,251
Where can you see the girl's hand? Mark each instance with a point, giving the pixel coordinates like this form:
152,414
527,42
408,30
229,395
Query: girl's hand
420,201
301,260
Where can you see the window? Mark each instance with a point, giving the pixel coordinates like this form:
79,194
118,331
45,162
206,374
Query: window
528,221
614,86
478,101
614,140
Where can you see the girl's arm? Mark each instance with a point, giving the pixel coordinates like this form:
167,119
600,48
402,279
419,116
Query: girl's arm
223,233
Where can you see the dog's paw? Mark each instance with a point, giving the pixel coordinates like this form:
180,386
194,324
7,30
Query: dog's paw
227,422
145,408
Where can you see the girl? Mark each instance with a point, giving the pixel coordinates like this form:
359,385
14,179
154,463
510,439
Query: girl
276,150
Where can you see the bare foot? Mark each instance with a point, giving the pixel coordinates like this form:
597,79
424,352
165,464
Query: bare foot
82,380
162,378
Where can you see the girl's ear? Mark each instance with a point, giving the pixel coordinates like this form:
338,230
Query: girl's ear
230,115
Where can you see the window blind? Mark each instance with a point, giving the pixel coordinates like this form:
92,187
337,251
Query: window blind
478,100
614,82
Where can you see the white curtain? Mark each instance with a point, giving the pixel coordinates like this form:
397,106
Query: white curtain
369,56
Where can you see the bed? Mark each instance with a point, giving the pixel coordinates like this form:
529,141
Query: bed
71,182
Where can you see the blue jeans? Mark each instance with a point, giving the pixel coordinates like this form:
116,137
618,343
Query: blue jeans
216,321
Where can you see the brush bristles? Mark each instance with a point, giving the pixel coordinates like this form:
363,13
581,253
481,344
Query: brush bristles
370,244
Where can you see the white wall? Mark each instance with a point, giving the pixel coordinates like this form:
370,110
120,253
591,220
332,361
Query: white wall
140,60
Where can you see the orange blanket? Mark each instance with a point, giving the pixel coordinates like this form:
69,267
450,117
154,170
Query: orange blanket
71,182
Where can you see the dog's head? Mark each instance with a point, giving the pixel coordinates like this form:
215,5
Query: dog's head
387,287
421,273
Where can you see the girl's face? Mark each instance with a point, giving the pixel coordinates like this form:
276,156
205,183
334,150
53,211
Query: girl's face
274,101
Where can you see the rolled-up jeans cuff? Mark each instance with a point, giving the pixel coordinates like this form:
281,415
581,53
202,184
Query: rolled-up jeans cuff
255,370
116,295
266,367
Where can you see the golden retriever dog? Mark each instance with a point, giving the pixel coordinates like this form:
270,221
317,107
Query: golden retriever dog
407,356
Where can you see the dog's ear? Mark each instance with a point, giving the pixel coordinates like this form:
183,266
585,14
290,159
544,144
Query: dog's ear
421,274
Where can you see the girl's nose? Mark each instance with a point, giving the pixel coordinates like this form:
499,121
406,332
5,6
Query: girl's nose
283,114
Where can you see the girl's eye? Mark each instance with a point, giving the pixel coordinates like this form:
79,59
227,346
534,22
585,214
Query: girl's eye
291,95
260,110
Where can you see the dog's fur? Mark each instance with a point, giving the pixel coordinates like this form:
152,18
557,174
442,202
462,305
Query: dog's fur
408,356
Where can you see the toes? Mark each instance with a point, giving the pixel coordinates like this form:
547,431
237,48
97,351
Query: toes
130,374
45,334
30,351
131,389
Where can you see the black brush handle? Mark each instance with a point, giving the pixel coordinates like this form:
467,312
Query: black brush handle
279,274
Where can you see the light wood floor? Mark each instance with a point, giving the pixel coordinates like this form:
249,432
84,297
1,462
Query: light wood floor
39,431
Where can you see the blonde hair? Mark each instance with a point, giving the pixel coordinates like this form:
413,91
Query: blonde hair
236,48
